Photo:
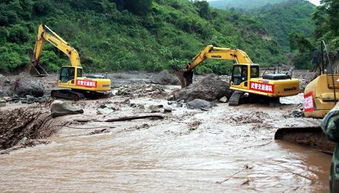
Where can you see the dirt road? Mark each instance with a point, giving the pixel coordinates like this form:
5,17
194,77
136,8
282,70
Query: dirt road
224,149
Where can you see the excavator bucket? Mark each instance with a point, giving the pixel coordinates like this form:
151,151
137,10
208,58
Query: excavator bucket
37,70
185,77
309,136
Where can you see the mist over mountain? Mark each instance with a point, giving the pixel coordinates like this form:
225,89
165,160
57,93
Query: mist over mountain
242,4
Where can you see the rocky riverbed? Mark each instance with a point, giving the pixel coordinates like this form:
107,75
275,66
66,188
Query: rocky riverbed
144,139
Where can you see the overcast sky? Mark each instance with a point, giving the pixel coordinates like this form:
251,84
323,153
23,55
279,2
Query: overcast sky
316,2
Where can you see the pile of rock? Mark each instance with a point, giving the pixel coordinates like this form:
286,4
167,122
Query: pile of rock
21,90
23,87
141,90
209,88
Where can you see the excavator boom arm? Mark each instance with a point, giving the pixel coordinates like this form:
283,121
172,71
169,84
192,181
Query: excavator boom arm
212,52
186,75
46,34
239,56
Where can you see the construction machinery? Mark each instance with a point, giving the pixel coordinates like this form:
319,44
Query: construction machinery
74,85
330,127
320,96
245,75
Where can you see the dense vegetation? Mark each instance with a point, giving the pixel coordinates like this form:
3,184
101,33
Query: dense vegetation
242,4
139,35
307,48
292,16
288,22
151,35
327,23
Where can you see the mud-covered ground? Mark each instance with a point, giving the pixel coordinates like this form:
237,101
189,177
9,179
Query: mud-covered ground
222,149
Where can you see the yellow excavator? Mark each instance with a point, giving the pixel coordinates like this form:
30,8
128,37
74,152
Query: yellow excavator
320,97
75,85
245,75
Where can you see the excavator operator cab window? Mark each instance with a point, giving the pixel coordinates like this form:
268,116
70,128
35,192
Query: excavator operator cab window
254,71
66,74
79,72
239,74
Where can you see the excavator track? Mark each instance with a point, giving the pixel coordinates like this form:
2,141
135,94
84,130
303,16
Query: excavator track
235,98
67,94
76,95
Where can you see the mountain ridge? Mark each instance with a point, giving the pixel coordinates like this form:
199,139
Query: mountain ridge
242,4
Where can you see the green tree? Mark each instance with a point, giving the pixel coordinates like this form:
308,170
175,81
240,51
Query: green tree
42,8
301,43
303,49
7,17
3,35
138,7
327,22
18,34
203,9
332,9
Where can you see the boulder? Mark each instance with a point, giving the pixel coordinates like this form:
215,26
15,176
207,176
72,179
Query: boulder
165,78
61,108
223,99
200,104
2,103
23,87
4,81
105,110
167,109
297,113
30,99
179,103
154,108
209,88
7,99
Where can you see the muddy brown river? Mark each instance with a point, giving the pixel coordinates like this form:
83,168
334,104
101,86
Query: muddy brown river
226,149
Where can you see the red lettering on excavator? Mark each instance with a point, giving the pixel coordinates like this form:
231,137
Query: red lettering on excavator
262,87
308,102
87,83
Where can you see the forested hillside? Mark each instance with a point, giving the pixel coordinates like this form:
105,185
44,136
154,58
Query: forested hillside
242,4
286,21
129,35
282,19
306,48
153,35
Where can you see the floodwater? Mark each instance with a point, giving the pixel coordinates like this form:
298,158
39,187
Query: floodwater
226,149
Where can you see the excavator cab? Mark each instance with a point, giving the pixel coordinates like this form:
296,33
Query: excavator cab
240,73
69,74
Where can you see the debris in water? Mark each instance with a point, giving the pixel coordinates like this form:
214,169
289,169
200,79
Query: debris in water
61,108
200,104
